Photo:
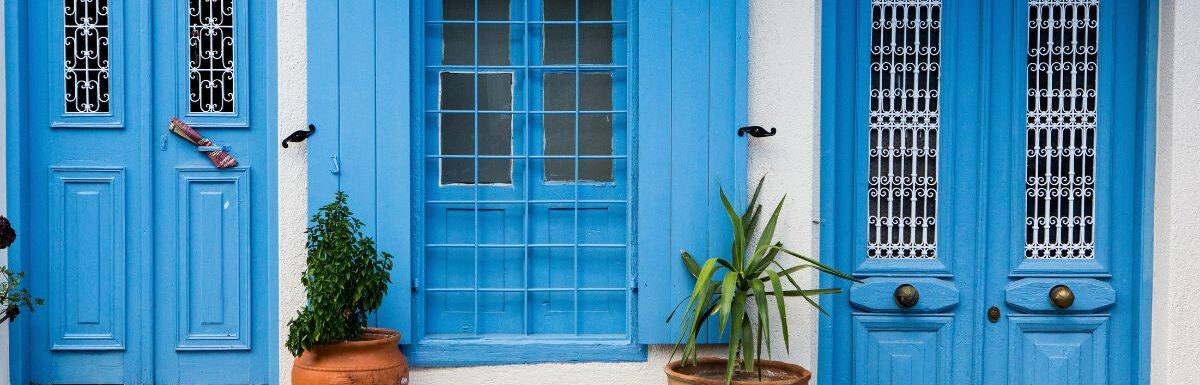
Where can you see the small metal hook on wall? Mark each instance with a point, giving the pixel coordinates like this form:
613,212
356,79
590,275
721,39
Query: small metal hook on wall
756,131
299,136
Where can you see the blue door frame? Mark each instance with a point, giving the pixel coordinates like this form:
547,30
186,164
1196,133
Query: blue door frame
981,262
154,194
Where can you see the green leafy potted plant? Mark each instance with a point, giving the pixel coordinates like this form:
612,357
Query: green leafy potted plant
345,280
752,274
13,297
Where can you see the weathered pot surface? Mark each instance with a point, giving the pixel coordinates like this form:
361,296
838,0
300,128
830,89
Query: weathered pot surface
711,371
376,359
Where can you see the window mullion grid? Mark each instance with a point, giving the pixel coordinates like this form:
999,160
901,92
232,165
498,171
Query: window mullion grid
475,159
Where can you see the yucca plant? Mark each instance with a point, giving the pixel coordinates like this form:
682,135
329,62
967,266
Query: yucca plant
751,274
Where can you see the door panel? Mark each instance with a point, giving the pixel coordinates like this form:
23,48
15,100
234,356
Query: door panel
154,264
214,259
1058,350
87,255
998,168
894,350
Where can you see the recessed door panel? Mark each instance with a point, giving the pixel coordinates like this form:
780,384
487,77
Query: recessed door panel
214,260
895,350
1054,350
87,258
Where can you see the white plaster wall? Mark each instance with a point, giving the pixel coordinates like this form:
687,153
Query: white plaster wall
1175,344
293,168
783,90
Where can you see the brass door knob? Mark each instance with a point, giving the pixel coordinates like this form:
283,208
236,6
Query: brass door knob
906,296
1062,297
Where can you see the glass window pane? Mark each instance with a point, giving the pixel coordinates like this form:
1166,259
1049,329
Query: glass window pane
595,10
595,40
1060,176
559,135
903,129
458,44
495,45
211,56
596,47
458,129
558,10
86,57
595,129
458,9
495,91
495,40
595,92
458,91
494,10
560,44
558,91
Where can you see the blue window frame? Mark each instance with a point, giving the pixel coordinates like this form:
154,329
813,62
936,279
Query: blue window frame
495,151
526,195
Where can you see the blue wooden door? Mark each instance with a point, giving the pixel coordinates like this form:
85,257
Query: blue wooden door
991,155
153,262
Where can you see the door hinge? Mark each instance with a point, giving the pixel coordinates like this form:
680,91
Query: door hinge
416,285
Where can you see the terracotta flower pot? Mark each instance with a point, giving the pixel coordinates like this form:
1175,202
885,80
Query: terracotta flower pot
376,359
711,371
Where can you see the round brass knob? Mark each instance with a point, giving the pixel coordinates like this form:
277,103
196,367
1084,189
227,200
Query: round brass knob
906,296
1062,297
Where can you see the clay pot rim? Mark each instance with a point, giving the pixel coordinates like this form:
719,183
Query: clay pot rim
802,374
371,337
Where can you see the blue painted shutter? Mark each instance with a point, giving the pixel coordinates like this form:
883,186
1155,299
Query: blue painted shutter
691,100
359,100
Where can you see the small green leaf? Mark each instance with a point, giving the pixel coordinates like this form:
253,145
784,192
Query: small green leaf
811,292
739,240
728,288
820,266
691,264
777,288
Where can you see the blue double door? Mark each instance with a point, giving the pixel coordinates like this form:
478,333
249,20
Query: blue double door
989,181
154,264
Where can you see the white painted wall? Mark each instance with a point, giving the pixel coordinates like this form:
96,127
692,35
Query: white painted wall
1175,343
783,91
293,168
